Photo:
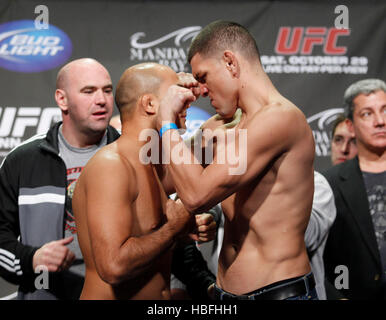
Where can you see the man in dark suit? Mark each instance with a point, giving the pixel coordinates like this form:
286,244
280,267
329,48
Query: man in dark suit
355,254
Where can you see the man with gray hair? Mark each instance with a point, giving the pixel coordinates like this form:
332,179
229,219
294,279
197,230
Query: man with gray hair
355,254
365,87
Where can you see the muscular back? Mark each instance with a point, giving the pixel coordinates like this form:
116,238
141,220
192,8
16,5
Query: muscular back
118,199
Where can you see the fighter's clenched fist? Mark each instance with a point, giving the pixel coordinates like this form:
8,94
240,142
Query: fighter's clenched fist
187,80
174,101
178,218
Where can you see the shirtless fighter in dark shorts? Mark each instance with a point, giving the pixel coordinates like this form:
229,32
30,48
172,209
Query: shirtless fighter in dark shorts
267,206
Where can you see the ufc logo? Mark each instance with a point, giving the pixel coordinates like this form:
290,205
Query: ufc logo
14,121
303,40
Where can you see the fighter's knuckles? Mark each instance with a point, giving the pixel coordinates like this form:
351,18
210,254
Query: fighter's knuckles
194,236
186,79
204,218
211,233
209,236
201,228
184,94
207,227
182,77
196,91
212,226
171,92
169,204
172,208
203,239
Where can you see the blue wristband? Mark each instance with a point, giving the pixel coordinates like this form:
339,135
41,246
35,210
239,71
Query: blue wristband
166,127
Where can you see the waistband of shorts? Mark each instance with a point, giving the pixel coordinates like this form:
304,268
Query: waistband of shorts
276,291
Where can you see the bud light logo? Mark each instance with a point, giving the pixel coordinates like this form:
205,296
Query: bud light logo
195,117
23,48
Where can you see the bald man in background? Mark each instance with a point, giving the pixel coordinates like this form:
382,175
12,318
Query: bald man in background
126,224
37,180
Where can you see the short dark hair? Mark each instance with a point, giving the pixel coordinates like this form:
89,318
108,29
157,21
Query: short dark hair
223,35
366,87
340,118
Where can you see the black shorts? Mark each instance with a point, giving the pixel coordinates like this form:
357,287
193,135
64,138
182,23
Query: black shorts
299,288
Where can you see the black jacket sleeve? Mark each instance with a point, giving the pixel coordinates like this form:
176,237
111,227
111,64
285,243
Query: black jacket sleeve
15,258
189,266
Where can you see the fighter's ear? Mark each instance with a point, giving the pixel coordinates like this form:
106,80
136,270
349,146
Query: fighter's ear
61,100
149,103
231,63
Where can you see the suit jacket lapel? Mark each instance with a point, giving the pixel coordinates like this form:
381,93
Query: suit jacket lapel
355,195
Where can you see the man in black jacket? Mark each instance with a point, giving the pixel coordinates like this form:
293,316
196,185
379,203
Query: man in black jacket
355,254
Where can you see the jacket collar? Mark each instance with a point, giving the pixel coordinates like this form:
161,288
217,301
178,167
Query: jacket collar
51,143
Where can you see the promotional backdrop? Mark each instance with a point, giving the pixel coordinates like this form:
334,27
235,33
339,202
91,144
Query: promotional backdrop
311,50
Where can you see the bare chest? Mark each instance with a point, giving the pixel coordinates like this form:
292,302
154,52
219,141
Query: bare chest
249,199
148,211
